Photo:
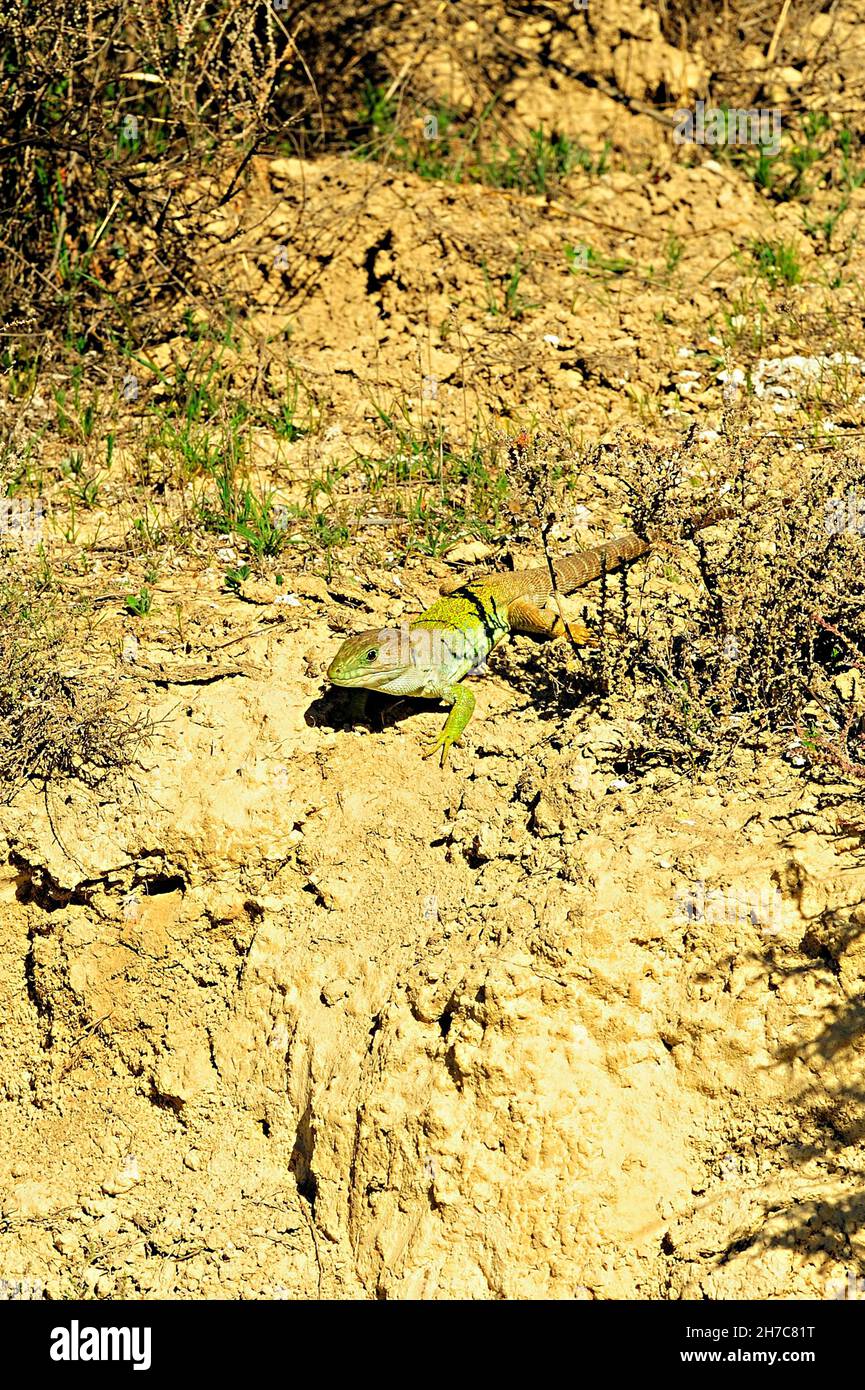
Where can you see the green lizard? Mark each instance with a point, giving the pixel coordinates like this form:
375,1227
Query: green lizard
429,656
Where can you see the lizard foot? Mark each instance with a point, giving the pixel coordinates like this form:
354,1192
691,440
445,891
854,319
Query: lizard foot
441,742
582,635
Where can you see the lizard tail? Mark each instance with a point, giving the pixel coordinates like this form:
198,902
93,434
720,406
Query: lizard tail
574,571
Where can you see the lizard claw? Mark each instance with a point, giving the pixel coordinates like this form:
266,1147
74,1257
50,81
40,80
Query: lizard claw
582,635
442,743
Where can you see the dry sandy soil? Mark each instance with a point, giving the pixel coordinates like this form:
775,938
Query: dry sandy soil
287,1011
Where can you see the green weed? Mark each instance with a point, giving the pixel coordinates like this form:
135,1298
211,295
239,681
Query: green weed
140,604
777,262
442,143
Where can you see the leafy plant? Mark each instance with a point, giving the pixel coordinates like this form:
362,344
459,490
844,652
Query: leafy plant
140,604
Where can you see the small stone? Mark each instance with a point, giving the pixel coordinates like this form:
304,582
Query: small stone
468,553
310,586
334,991
123,1180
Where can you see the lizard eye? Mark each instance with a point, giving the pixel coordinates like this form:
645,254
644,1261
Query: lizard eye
371,654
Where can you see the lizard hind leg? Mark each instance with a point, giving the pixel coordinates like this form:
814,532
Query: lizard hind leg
525,616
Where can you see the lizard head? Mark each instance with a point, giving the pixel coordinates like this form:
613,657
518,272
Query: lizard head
385,659
358,661
395,660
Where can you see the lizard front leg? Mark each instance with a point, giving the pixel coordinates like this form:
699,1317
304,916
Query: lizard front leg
524,616
462,702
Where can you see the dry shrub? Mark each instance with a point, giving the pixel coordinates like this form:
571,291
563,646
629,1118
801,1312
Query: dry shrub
107,114
781,34
54,722
758,632
776,616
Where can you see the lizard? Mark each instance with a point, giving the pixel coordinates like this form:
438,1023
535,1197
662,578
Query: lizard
429,656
